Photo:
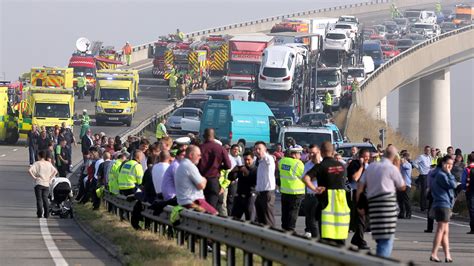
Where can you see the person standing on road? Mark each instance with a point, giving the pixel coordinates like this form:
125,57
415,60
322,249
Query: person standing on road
335,214
127,51
66,132
42,172
85,123
266,184
62,158
467,183
327,103
161,130
214,159
442,191
380,181
292,188
236,163
404,196
423,164
32,141
81,86
173,83
311,205
246,176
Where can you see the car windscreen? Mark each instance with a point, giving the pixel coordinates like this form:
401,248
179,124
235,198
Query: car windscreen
308,138
274,72
86,71
56,110
327,79
412,14
273,97
342,26
243,68
336,36
375,54
404,43
114,94
308,118
186,113
194,103
346,151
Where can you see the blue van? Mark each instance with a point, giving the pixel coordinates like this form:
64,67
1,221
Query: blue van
234,120
336,134
373,48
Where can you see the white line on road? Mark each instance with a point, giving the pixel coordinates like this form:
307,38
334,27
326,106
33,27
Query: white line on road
52,248
15,149
3,155
453,223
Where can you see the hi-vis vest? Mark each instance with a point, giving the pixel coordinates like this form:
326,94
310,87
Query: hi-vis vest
113,177
335,218
160,131
130,174
291,171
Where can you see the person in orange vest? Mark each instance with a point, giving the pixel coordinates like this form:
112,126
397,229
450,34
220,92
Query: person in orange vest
127,51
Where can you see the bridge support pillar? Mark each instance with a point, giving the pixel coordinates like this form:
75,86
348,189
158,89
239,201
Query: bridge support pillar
409,111
435,110
380,111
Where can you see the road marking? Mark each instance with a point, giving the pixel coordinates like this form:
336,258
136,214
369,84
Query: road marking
15,149
52,248
453,223
3,155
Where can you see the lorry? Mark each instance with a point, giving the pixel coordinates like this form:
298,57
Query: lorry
217,52
245,56
290,26
463,15
8,117
330,79
319,26
116,96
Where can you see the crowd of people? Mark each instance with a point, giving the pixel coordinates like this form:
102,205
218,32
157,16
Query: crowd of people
370,191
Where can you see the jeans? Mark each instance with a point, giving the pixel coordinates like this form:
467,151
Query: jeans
470,207
42,201
384,247
290,206
32,154
312,215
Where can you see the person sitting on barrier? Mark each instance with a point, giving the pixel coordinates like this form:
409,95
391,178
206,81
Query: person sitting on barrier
190,184
112,184
131,174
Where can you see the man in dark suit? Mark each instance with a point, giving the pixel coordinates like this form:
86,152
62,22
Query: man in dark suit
86,143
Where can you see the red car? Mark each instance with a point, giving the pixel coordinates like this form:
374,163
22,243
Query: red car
389,51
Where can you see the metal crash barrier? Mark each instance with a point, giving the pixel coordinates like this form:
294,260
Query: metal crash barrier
272,245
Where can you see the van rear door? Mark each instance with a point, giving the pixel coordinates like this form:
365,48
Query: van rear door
217,115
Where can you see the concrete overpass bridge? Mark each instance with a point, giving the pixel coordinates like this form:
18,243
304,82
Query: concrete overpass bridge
422,75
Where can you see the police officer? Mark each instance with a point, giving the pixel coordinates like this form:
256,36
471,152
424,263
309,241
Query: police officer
327,103
292,188
161,130
335,215
131,174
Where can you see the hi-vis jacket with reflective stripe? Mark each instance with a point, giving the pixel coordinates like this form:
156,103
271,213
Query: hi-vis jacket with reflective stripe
291,171
335,218
130,175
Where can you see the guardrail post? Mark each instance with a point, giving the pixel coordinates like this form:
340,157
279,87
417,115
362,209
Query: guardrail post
180,238
163,229
155,227
203,248
192,243
266,262
216,254
230,256
248,259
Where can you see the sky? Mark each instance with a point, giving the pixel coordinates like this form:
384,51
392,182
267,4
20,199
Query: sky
44,32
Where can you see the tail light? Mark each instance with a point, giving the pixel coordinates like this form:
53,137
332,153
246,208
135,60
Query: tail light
287,78
230,135
262,77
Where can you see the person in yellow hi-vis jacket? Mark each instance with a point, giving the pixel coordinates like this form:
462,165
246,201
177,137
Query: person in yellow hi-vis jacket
131,174
335,213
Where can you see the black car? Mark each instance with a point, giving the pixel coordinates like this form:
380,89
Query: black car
416,38
404,44
447,26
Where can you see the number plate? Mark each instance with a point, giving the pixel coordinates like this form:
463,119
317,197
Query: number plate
113,118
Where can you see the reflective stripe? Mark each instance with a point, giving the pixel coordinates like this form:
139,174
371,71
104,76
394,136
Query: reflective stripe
291,171
337,213
335,224
292,191
335,218
289,177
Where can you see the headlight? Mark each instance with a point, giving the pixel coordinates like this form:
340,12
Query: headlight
99,109
127,110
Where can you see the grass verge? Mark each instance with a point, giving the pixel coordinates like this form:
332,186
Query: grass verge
136,247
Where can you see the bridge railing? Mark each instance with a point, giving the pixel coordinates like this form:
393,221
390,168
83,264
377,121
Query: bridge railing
271,244
410,51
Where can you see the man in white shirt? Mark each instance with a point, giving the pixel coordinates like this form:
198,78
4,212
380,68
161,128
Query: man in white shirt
159,170
423,164
266,183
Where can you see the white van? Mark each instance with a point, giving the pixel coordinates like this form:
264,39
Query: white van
280,66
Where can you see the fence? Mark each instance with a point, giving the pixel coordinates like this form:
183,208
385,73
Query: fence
272,245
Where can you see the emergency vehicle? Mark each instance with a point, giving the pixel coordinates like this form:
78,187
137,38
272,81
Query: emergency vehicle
8,117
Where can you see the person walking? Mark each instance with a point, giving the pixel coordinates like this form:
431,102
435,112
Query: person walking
214,159
246,176
161,130
32,141
467,184
335,213
311,204
292,188
265,186
423,164
442,191
127,51
42,172
131,174
85,123
355,169
327,103
190,184
81,86
380,181
403,197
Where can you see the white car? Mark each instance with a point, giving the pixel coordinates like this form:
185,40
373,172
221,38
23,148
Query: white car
350,19
338,40
350,27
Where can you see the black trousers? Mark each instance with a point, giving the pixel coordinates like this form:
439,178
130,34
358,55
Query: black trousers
264,207
422,186
403,198
231,194
62,170
211,192
95,199
42,201
244,205
359,224
290,206
312,212
430,220
127,192
470,208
